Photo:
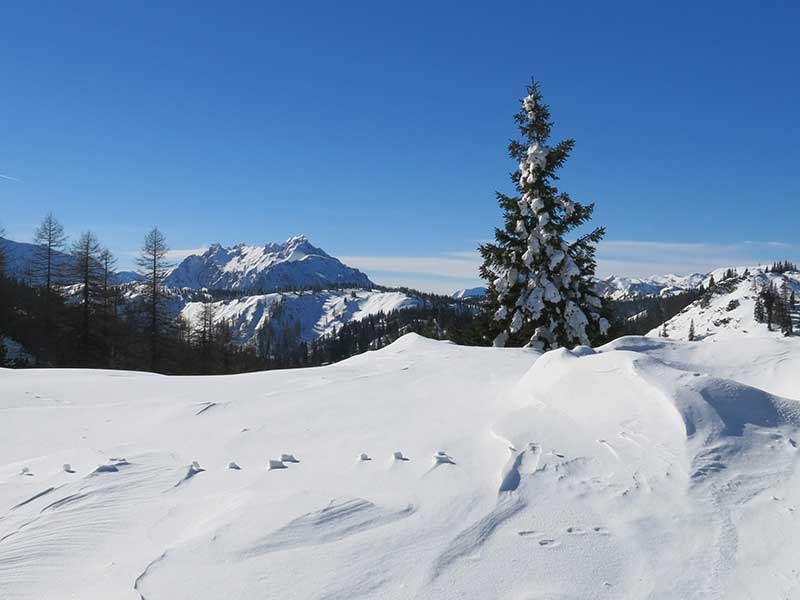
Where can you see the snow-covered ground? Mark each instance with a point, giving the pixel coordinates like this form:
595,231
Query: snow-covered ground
317,313
651,468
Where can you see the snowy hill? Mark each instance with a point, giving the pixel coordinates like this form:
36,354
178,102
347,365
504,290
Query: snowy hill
317,314
650,469
628,288
293,264
729,312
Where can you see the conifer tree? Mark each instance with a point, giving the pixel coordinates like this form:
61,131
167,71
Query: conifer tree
153,266
50,241
664,332
87,271
541,288
759,312
691,331
3,256
786,305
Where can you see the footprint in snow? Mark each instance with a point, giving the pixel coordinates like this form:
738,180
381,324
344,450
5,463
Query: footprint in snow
232,465
399,456
364,457
442,458
26,472
289,458
575,531
601,530
67,468
549,543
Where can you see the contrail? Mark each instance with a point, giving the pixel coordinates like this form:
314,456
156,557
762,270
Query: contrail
9,177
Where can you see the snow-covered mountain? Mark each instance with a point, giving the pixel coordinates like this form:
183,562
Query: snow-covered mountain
646,469
729,311
476,292
124,277
616,287
19,256
292,264
317,314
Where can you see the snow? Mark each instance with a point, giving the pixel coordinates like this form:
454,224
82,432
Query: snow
293,264
646,468
729,314
476,292
617,287
318,313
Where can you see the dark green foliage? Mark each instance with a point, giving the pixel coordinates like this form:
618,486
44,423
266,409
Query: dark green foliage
537,280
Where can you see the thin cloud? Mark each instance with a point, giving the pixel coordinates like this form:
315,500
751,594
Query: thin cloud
10,178
181,253
631,258
441,266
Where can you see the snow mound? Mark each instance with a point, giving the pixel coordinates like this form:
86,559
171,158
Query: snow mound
647,468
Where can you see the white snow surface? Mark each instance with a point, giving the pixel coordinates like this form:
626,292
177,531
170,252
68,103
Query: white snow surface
318,313
648,469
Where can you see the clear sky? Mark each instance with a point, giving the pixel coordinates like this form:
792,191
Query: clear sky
380,129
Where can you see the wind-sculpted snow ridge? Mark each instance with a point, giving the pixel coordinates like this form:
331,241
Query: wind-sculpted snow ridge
647,468
293,264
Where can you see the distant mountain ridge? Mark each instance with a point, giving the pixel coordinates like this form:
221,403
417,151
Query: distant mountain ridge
19,256
617,287
628,288
295,263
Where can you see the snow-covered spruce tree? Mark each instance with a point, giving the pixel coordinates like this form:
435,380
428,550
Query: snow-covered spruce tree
541,289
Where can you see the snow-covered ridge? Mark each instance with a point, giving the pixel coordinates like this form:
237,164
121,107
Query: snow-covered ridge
646,469
729,312
617,287
317,314
292,264
476,292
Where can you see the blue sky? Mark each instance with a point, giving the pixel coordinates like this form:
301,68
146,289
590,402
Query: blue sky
379,130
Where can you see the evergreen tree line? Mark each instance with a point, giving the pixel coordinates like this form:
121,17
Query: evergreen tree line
641,315
782,267
71,313
775,307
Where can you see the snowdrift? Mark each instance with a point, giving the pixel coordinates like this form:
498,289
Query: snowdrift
645,469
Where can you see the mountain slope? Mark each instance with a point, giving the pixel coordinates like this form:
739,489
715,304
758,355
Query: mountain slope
729,311
19,256
638,471
316,314
293,264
